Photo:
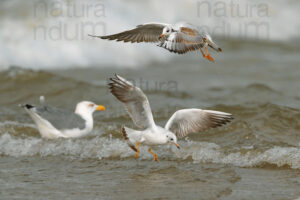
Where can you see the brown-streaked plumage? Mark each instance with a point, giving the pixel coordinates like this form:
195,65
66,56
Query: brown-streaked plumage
179,38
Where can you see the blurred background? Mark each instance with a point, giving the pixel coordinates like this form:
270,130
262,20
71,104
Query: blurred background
45,50
42,34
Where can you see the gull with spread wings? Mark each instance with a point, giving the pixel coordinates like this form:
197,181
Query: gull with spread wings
179,38
181,123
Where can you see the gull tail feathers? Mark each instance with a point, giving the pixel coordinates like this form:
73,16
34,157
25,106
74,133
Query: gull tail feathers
30,106
27,106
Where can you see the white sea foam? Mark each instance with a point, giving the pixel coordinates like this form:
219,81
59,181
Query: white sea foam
13,123
280,156
100,147
66,44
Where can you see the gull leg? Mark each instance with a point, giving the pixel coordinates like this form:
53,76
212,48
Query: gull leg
155,156
208,56
138,150
202,53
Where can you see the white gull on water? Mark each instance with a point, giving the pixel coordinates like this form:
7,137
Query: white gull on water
181,123
54,123
179,38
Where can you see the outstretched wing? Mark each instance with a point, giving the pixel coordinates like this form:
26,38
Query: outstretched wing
148,32
134,100
194,120
181,43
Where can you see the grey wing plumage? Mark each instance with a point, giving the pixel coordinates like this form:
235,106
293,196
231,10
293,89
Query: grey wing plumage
148,32
60,119
180,43
188,121
134,100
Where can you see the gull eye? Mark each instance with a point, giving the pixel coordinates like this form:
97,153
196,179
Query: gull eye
91,105
172,139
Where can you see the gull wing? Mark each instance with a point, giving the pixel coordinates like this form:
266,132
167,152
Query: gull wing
148,32
180,43
194,120
134,100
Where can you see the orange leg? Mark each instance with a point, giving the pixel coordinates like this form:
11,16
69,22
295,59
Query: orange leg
138,150
155,156
208,56
202,53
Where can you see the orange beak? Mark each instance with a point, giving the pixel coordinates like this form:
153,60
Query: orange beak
177,145
100,108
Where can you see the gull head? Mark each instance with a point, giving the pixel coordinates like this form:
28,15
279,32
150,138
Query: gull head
208,41
172,139
86,108
166,32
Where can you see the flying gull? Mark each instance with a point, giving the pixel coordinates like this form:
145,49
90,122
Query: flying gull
181,123
54,123
179,38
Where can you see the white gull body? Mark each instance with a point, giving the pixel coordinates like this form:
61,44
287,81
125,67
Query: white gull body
54,123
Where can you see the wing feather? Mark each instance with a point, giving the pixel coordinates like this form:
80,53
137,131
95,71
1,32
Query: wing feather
179,43
193,120
135,101
148,32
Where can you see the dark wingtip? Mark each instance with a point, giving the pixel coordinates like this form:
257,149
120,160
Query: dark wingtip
27,106
124,133
220,120
126,138
220,50
102,37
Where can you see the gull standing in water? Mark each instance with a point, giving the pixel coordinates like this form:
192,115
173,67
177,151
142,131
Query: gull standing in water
179,125
179,38
54,123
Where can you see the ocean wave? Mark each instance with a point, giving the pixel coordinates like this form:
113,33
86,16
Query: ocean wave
212,153
99,147
36,83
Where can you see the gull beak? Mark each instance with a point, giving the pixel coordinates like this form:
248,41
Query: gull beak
100,108
177,145
161,36
212,45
